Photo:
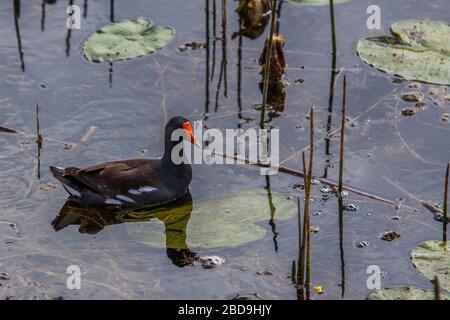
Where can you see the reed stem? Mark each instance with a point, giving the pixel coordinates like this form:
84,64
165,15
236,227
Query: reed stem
307,205
437,289
333,27
299,227
445,205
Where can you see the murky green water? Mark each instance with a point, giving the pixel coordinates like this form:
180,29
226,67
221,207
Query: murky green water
129,103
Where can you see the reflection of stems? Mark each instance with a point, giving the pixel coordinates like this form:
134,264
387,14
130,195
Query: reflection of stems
219,84
341,244
207,57
331,90
342,138
280,5
293,272
111,72
299,275
85,8
43,15
111,69
272,214
111,14
39,140
445,206
223,64
303,240
333,27
224,46
267,62
214,38
19,38
341,184
239,74
69,35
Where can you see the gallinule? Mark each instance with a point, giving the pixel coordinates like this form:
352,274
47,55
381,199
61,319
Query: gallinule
133,182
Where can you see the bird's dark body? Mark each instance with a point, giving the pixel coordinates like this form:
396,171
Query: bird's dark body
130,182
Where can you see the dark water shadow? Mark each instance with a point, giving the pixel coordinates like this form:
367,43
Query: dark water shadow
341,245
175,216
44,11
68,35
19,38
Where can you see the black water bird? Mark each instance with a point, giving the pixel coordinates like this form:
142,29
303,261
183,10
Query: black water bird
136,182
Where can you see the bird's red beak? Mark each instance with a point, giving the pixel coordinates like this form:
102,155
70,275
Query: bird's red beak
188,128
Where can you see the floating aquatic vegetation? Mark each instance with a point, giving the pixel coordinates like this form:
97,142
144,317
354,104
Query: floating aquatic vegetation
390,236
315,2
255,15
191,46
408,112
404,293
417,50
228,221
277,60
126,40
319,289
432,258
412,97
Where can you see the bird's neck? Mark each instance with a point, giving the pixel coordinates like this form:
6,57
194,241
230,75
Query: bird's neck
173,151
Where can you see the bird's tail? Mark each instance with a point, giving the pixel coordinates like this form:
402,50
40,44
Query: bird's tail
59,174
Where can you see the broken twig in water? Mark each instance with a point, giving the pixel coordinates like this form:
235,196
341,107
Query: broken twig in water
7,130
328,182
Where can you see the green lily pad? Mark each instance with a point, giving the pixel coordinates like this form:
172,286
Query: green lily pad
225,222
404,293
126,40
417,50
432,259
315,2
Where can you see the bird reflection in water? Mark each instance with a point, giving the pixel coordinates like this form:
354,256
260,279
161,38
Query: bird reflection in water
175,216
276,95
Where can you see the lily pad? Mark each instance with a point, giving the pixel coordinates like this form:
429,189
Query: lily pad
432,258
417,50
126,40
315,2
224,222
404,293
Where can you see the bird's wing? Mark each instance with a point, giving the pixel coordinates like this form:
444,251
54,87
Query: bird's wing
113,178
